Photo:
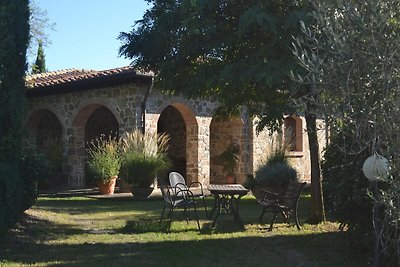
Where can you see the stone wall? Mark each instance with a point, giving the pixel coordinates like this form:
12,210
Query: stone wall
264,142
198,138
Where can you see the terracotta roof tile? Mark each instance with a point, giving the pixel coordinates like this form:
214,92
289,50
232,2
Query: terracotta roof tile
75,75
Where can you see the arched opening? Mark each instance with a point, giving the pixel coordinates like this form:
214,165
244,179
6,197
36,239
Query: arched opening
172,123
45,133
225,131
179,122
101,122
92,121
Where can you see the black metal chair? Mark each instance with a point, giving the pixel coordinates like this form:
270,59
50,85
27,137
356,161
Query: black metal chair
176,179
286,203
176,197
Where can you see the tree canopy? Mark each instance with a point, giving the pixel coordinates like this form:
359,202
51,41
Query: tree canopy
14,29
237,51
40,64
352,58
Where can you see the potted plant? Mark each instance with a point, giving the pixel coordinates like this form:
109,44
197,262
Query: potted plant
272,176
103,163
143,157
230,159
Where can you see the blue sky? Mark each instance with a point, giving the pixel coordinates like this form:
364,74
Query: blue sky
86,32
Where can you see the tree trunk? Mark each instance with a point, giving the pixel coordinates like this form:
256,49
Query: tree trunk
317,201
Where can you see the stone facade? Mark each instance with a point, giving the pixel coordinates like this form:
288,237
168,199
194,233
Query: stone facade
198,137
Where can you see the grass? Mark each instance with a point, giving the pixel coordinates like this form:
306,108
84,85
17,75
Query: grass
79,231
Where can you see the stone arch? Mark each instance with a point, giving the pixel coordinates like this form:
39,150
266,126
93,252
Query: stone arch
179,122
91,121
45,131
224,131
43,124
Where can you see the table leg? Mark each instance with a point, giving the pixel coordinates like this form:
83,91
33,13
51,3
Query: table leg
218,206
215,206
235,210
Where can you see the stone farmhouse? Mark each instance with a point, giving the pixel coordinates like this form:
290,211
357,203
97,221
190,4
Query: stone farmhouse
75,106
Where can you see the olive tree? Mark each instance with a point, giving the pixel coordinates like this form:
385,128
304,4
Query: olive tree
351,55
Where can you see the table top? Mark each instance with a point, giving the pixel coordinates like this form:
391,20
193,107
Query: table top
227,189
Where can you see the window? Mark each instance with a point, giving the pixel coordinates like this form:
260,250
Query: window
293,134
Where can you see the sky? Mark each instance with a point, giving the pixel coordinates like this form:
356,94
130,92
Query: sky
86,32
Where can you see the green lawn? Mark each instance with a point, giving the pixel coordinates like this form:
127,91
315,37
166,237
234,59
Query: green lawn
79,231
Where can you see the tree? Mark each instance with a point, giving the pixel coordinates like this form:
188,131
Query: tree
14,29
40,24
235,51
40,64
352,58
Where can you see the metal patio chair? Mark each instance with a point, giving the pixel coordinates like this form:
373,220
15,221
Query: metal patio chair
176,179
285,203
176,197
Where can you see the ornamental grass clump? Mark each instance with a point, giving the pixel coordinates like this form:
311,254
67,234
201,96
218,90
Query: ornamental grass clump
103,159
143,157
276,171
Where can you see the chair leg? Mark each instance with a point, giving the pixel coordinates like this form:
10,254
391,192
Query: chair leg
205,207
197,217
262,214
162,213
273,221
297,219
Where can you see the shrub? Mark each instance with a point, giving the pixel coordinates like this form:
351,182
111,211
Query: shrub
143,157
275,174
53,151
103,159
346,191
276,171
34,168
230,158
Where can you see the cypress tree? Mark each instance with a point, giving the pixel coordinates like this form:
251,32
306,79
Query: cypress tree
14,37
40,63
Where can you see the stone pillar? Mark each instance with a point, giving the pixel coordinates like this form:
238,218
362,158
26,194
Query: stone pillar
76,157
203,162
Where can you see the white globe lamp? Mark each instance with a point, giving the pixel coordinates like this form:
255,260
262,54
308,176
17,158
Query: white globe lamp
375,168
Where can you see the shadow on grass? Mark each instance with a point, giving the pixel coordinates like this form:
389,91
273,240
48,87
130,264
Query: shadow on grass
144,242
259,250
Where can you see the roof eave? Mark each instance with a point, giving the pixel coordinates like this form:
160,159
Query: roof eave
88,84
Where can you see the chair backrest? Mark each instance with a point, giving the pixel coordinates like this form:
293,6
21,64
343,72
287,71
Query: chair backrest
166,193
292,194
177,180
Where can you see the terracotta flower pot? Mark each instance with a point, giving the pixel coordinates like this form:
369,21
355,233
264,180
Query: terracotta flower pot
230,179
107,188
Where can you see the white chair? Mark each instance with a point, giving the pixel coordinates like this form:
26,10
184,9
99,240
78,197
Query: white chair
177,180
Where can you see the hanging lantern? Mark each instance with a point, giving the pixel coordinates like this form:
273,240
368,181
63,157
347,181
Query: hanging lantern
376,167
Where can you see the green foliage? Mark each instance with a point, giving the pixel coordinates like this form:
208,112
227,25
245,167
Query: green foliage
346,190
53,151
140,170
235,51
34,168
143,157
276,171
14,29
351,55
230,158
40,64
103,159
276,174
